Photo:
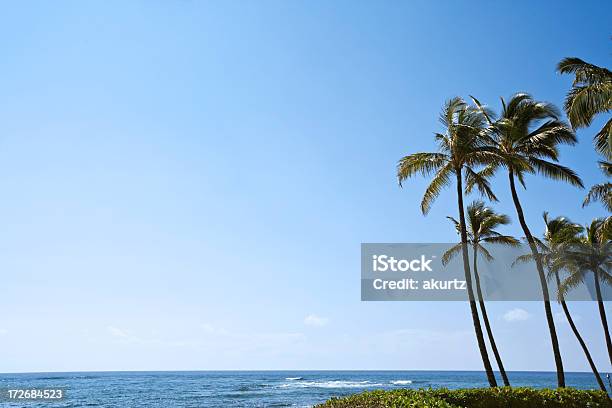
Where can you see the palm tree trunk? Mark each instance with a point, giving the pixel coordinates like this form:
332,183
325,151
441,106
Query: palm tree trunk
543,284
602,314
587,354
485,319
468,279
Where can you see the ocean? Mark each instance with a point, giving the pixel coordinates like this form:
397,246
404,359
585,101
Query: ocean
248,388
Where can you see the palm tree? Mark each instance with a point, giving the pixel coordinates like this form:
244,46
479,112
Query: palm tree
481,224
526,139
591,94
560,235
460,149
593,255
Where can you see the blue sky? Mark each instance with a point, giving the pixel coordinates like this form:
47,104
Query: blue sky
186,184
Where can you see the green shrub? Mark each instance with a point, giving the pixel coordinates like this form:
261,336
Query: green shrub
388,399
503,397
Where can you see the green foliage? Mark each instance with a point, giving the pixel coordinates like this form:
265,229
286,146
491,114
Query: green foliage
461,148
481,224
592,256
389,399
526,139
524,398
591,94
502,397
601,192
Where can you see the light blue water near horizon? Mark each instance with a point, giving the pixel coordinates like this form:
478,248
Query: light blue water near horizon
250,388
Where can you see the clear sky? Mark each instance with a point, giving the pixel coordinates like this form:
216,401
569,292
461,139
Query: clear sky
186,184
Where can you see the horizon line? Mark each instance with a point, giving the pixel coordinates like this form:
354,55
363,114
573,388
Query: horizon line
291,370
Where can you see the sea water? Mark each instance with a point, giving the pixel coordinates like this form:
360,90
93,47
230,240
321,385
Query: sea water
249,388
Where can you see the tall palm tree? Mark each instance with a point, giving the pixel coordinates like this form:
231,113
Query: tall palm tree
591,94
460,148
481,224
526,139
560,235
593,255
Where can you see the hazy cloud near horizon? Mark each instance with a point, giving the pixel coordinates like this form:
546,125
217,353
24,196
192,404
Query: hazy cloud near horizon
314,320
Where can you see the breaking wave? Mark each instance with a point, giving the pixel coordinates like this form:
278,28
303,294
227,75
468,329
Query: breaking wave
331,384
401,382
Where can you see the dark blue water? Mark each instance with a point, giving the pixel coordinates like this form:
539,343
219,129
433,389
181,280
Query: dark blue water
249,388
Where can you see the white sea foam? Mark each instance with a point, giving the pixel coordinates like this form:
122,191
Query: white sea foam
401,382
293,378
330,384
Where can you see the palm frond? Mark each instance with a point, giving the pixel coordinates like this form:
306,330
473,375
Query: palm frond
481,183
605,277
523,259
447,115
583,102
606,167
602,193
451,253
591,94
556,171
423,163
506,240
521,178
485,252
552,133
602,140
456,224
584,72
488,113
515,102
572,281
441,180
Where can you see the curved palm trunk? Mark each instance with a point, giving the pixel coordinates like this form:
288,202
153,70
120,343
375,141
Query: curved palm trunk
468,279
587,354
602,314
485,319
544,286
